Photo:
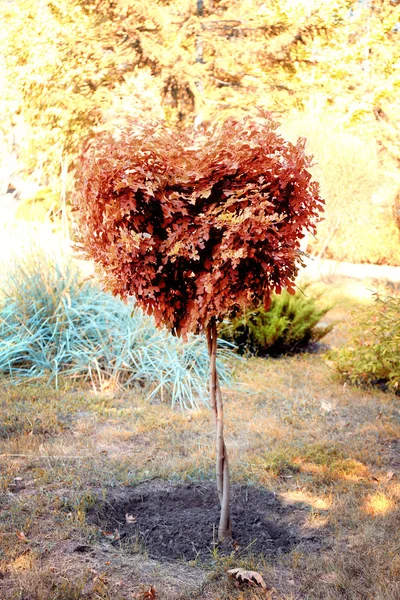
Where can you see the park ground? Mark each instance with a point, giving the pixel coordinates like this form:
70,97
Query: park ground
316,459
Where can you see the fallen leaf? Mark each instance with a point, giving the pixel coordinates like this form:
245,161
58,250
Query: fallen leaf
21,536
130,518
113,536
150,594
235,545
248,577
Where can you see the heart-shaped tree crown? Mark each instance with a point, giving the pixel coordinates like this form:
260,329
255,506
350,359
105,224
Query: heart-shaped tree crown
196,224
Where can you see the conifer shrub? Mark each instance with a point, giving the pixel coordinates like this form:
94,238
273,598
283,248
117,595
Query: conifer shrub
290,325
372,357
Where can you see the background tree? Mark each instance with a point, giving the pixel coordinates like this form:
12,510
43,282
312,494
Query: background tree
71,65
197,226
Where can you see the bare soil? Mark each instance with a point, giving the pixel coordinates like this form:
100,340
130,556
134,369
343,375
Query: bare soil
180,521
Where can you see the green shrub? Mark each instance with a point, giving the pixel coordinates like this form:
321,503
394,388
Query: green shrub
290,325
373,355
53,323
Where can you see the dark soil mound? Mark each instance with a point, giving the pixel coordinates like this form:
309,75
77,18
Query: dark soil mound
181,521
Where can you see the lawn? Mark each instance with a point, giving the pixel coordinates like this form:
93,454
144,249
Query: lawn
98,491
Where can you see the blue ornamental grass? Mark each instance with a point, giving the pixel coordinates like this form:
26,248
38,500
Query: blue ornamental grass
54,323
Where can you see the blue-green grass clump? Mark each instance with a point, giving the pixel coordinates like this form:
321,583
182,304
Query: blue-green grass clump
54,323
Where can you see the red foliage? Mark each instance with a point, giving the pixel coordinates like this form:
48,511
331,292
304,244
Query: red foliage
196,224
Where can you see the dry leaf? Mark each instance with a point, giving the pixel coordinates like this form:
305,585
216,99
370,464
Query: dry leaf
113,536
149,594
248,577
130,518
235,545
21,536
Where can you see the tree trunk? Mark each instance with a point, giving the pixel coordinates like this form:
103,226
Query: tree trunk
223,479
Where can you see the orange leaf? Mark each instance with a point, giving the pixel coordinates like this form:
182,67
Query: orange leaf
113,536
21,536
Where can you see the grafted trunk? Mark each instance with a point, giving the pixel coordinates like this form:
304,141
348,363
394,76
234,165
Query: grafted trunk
223,478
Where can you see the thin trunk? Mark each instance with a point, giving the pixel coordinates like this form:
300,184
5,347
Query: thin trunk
225,525
223,479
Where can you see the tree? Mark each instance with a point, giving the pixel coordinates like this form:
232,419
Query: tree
70,64
197,225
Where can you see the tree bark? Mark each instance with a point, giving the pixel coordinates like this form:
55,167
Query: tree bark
223,478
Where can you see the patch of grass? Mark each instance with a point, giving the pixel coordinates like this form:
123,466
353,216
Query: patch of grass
35,410
45,584
280,463
321,463
34,416
321,454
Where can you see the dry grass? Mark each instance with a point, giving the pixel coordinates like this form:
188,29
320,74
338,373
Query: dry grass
325,448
